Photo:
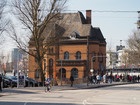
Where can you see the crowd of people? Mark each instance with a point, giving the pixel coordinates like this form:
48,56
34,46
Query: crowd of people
109,78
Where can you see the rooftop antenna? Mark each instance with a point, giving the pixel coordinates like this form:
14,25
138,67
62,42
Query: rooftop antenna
120,44
138,22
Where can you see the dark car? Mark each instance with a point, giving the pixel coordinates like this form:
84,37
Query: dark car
13,80
31,82
6,82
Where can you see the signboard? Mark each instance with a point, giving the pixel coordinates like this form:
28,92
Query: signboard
21,80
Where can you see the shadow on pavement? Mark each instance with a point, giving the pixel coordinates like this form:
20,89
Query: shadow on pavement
17,91
26,103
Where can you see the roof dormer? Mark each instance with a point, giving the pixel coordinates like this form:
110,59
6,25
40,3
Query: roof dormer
74,35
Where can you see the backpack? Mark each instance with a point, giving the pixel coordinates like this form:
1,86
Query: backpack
47,82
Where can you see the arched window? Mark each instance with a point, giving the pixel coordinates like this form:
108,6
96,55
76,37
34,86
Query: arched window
51,68
74,72
37,74
49,50
100,58
51,63
78,55
93,56
63,73
45,64
36,57
52,50
66,55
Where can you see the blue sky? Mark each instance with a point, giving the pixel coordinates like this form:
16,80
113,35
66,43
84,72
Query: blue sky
115,26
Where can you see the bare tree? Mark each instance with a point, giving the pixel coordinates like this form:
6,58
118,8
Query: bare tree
39,17
134,47
2,62
2,22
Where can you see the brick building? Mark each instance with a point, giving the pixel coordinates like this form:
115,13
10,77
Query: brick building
80,46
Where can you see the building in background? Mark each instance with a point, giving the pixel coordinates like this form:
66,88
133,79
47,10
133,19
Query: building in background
83,47
116,59
17,56
111,59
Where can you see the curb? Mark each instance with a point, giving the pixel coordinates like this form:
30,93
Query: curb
97,86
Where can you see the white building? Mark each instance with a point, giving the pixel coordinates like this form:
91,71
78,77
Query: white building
115,58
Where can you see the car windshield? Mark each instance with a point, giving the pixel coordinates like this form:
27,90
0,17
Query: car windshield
6,77
13,77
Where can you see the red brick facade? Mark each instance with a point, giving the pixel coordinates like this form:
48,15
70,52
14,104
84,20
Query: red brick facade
70,56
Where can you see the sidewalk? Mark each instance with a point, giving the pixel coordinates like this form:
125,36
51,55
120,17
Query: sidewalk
35,90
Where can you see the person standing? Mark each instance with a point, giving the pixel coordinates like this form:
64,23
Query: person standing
138,78
94,79
98,78
0,83
104,78
71,79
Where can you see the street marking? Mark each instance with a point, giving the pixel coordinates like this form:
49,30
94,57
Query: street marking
25,103
86,103
36,99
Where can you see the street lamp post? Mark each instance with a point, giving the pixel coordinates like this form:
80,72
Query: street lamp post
18,69
61,69
87,58
92,62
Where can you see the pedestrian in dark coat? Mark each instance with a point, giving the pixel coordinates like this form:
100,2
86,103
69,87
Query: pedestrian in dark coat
0,82
71,79
138,78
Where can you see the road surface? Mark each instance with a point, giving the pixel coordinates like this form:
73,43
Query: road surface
114,95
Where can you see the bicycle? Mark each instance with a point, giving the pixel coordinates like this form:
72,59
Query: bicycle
47,86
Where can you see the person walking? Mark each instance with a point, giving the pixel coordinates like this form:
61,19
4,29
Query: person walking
71,79
94,79
0,83
138,78
104,78
98,79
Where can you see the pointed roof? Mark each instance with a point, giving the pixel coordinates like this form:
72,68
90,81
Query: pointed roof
76,22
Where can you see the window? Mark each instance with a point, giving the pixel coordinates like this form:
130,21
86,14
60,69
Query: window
49,50
36,57
93,56
51,68
51,63
45,64
66,55
52,50
78,55
100,58
74,73
37,74
63,73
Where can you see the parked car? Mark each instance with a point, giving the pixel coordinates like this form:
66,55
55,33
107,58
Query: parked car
31,82
13,81
6,82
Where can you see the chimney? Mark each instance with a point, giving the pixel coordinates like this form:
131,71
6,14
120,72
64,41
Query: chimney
88,16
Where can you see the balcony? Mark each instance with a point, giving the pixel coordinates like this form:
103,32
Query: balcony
71,62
